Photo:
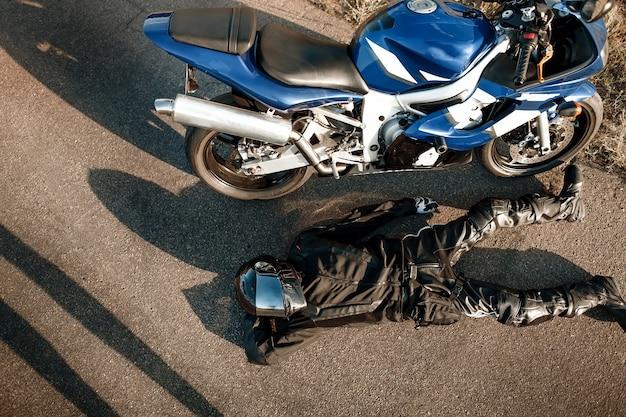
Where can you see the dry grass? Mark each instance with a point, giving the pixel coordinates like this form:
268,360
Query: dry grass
608,149
358,10
354,11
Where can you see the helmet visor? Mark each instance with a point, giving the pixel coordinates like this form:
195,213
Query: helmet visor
269,299
270,289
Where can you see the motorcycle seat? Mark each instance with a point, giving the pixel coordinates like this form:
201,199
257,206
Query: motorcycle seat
300,60
230,30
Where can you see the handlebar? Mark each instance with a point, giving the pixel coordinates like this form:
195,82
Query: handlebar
528,23
527,43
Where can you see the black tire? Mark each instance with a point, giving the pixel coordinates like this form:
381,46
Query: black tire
591,118
214,171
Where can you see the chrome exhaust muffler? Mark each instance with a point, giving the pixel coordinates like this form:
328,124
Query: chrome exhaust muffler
193,111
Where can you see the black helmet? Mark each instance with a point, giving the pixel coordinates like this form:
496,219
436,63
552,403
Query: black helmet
269,287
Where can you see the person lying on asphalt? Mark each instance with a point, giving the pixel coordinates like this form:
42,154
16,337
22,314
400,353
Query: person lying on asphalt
338,274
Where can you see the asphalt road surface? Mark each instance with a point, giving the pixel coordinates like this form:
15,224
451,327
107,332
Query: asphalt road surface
117,264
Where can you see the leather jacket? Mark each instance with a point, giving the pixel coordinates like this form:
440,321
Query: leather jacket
347,272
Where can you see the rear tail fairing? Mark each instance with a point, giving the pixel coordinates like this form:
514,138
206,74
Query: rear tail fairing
241,71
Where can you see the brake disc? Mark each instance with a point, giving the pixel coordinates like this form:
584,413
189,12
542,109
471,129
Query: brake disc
528,151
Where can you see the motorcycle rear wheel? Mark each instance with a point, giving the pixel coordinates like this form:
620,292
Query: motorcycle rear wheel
216,165
587,126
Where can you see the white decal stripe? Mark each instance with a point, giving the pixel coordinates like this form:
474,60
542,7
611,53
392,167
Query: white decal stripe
432,77
462,111
513,120
463,86
391,63
536,97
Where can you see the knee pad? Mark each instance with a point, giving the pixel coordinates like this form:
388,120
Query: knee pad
509,307
482,213
531,307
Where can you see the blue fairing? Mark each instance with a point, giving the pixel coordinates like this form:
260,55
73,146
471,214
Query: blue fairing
438,124
240,71
444,43
572,86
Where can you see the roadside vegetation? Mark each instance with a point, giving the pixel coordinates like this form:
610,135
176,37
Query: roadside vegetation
608,149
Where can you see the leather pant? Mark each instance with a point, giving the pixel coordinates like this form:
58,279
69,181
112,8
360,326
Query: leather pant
530,307
521,308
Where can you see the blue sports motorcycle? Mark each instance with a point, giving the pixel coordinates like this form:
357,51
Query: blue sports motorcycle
424,84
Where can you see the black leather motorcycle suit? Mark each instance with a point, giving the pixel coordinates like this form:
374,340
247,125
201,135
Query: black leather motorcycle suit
350,279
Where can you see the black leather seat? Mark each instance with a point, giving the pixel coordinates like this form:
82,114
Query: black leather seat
300,60
230,30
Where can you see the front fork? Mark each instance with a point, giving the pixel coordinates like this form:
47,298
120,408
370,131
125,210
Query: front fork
543,132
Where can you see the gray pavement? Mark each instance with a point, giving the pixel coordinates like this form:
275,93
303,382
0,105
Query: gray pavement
116,267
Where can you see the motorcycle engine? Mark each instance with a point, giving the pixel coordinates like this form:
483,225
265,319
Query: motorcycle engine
401,152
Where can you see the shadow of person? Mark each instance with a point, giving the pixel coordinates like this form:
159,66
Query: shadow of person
96,318
98,60
217,233
33,348
201,228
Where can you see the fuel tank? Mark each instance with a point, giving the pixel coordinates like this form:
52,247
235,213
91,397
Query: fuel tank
416,44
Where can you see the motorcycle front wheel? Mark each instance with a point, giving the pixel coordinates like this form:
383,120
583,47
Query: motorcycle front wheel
505,157
216,161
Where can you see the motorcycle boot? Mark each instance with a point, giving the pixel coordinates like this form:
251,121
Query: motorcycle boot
532,209
599,291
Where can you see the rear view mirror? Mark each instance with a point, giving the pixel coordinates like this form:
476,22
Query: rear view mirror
593,10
